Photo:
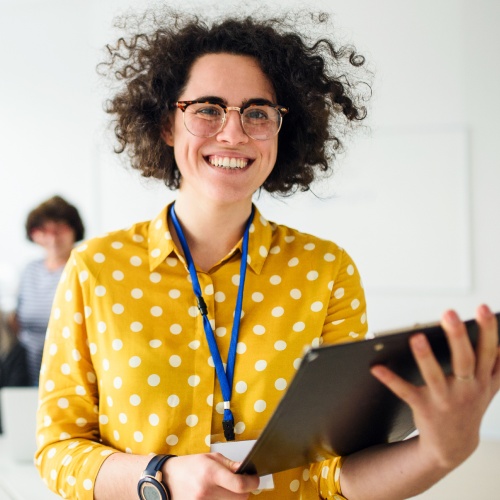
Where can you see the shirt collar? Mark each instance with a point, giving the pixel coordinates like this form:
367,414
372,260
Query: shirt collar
260,241
161,244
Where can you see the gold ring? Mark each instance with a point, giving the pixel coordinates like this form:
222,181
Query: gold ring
468,378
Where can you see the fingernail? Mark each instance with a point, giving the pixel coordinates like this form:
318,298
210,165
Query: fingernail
452,317
419,342
377,371
485,311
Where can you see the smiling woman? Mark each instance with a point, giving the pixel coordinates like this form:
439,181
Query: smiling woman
320,82
182,332
206,181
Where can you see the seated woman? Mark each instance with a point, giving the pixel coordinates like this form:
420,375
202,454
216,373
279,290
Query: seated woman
13,372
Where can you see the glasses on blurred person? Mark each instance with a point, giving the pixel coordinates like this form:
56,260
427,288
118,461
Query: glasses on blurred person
259,119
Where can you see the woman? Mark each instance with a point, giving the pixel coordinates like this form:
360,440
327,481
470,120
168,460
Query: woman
55,225
146,317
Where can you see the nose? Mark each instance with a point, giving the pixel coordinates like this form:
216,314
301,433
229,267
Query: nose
232,132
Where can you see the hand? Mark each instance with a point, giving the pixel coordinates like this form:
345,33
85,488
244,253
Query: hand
209,476
448,410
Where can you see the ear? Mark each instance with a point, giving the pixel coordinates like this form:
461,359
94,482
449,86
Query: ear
167,131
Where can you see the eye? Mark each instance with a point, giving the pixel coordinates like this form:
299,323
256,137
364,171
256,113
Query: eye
257,113
207,111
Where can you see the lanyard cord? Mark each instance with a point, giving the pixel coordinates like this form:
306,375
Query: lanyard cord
225,376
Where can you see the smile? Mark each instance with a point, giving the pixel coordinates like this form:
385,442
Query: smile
228,162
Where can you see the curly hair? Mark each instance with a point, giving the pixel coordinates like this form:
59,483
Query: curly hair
313,78
55,209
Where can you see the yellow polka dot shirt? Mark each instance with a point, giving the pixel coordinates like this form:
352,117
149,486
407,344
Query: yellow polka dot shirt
127,367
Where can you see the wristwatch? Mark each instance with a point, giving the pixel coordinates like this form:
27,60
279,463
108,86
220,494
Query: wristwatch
150,485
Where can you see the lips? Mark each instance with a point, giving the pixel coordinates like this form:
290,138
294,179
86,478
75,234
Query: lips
228,162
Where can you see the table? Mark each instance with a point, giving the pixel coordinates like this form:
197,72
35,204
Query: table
20,480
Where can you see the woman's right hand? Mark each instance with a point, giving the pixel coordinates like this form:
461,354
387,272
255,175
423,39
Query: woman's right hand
207,476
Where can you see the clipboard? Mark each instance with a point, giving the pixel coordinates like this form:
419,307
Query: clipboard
335,407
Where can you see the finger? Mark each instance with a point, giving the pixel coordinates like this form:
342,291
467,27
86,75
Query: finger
234,466
237,483
223,460
240,483
400,387
487,345
224,494
463,359
427,363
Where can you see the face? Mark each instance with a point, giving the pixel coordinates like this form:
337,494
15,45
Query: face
56,237
234,80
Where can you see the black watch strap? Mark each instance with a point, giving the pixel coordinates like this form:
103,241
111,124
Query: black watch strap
149,480
155,464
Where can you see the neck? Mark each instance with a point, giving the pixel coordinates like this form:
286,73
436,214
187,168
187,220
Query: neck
53,262
211,230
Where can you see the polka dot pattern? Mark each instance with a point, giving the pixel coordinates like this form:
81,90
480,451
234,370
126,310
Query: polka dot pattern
126,325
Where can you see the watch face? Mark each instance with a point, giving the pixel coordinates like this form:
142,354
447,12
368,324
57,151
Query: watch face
152,491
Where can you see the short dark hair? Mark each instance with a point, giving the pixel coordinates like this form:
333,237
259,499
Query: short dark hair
55,209
315,79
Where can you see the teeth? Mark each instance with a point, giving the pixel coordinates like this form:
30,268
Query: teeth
228,162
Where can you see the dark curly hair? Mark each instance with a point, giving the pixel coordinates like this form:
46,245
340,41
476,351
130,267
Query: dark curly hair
55,209
313,78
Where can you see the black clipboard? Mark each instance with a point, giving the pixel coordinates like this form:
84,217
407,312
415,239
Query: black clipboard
316,419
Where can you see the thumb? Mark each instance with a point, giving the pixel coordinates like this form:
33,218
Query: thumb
234,466
226,462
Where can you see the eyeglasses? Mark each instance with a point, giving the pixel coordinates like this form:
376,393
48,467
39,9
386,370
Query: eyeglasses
260,120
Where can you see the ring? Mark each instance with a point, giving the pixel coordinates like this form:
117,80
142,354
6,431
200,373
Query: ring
468,378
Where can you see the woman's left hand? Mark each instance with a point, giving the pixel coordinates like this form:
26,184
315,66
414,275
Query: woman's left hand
448,410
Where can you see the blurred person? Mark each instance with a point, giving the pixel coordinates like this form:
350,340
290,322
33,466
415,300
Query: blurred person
55,225
13,372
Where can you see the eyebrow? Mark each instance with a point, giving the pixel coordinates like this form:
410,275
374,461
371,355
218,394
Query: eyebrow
219,100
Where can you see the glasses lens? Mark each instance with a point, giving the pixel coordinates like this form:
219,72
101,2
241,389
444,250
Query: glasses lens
261,122
203,120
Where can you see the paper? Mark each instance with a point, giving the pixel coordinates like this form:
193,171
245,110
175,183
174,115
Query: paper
237,451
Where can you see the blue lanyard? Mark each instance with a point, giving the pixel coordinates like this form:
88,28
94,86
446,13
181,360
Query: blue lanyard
225,376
